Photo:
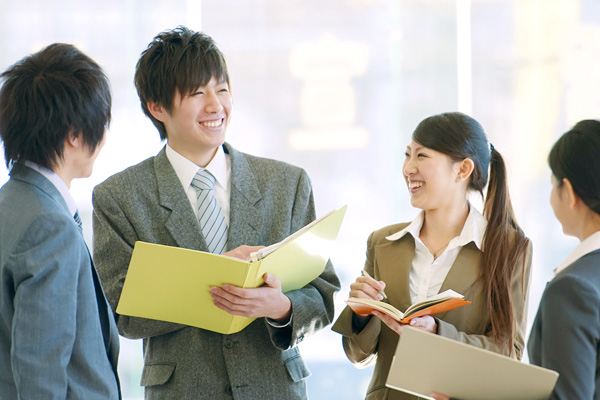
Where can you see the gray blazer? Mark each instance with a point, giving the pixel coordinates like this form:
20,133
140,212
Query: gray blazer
58,338
565,336
269,200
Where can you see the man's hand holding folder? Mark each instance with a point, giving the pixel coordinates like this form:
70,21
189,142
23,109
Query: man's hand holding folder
264,301
224,293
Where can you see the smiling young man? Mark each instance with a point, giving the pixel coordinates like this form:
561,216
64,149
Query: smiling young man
183,84
58,337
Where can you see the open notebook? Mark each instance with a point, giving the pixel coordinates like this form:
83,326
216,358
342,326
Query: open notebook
425,363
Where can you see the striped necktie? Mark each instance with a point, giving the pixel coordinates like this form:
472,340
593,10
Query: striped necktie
77,219
210,215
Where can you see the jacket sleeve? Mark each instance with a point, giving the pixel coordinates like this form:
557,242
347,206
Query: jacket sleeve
114,238
47,262
568,336
312,306
519,295
360,342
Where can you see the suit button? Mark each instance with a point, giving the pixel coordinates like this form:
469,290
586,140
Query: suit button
228,344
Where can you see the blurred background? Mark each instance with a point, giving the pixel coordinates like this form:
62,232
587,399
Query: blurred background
337,87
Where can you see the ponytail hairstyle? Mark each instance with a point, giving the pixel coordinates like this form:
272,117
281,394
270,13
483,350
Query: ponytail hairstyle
459,137
576,156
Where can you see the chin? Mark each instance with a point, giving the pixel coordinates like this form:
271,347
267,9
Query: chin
415,203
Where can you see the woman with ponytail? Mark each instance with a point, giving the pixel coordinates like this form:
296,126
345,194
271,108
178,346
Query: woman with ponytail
449,245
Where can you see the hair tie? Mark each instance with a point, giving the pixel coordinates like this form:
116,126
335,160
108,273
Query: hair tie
491,147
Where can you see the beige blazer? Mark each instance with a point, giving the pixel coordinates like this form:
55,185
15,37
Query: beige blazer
391,262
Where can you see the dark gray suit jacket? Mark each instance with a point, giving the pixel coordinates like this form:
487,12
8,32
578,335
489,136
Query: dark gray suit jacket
269,200
58,338
565,336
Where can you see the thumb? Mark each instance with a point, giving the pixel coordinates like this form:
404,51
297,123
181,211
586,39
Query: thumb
271,280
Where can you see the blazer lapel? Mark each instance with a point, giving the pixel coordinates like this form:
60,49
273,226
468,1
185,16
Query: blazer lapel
245,218
399,255
464,272
181,221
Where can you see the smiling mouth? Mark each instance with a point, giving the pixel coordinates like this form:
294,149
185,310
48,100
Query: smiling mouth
213,124
414,185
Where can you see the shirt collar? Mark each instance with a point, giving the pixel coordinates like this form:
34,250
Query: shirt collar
186,170
60,185
472,231
590,244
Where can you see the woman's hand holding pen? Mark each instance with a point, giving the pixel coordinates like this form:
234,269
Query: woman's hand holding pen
367,287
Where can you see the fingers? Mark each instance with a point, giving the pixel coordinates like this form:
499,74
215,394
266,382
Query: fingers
426,323
272,281
390,322
264,301
229,298
236,300
242,252
439,396
367,287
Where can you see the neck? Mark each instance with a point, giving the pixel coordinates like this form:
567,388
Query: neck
445,222
64,174
200,158
440,226
590,226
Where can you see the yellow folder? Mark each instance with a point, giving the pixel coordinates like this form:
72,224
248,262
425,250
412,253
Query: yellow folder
173,284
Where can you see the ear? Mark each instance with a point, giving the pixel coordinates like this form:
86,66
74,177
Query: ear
572,198
74,140
157,110
464,169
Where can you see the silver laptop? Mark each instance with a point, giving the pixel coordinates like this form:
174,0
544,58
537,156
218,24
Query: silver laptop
426,363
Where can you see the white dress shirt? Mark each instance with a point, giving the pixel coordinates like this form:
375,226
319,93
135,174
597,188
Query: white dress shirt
426,274
58,183
589,244
219,167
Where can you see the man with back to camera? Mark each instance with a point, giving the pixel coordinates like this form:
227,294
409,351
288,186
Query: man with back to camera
183,84
58,338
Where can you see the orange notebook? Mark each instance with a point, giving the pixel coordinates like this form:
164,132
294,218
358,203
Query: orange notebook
441,302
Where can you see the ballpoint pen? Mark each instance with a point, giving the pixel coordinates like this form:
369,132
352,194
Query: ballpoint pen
365,273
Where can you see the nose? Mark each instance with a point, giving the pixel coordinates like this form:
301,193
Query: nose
409,167
213,104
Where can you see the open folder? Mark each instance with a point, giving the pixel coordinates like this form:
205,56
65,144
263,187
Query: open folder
426,363
173,284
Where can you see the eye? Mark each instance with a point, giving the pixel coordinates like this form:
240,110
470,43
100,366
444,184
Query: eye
421,155
406,154
197,93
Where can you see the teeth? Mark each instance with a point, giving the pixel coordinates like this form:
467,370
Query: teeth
212,124
413,185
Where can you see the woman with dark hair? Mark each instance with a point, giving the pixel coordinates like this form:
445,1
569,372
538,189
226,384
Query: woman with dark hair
566,332
565,336
449,245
